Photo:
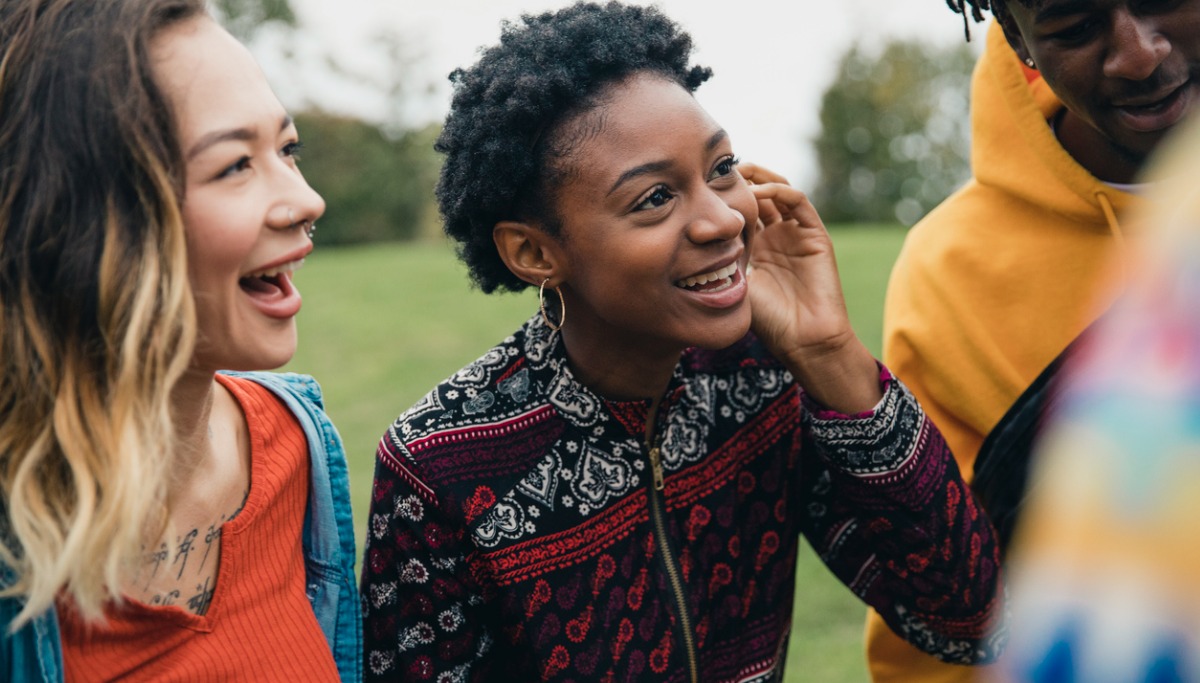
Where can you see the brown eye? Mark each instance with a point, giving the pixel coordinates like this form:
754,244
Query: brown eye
660,196
724,167
292,149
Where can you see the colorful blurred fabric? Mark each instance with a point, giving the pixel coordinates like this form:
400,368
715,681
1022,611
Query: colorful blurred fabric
1105,567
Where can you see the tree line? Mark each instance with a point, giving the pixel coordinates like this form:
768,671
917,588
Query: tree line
894,142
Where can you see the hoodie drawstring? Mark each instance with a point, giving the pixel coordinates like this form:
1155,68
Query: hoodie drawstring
1114,226
1111,216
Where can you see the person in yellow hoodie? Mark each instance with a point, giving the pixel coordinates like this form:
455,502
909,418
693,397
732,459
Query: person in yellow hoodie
1068,100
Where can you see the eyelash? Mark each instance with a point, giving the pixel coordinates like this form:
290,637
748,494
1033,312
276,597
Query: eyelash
731,160
236,167
290,150
666,195
659,190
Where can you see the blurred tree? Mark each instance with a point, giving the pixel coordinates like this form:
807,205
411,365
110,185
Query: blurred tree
375,170
895,132
377,185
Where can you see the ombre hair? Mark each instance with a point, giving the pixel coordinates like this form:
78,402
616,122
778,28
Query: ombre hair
96,315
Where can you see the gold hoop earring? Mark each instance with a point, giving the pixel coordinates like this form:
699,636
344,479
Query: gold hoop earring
562,305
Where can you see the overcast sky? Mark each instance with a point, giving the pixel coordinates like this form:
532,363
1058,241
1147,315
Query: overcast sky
772,59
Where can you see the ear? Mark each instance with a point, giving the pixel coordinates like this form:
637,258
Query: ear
1012,32
529,252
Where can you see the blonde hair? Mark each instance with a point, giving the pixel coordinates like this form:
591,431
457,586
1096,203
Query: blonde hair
96,314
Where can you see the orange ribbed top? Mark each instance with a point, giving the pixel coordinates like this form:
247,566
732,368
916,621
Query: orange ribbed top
259,626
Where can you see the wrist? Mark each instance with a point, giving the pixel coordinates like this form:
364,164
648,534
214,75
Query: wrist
841,375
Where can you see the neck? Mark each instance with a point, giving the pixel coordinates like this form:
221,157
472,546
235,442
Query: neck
191,408
619,371
1095,152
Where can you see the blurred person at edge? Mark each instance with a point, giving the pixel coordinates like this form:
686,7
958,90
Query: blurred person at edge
1103,573
992,288
617,490
161,520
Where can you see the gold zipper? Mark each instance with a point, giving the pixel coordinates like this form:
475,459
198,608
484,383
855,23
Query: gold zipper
656,468
657,506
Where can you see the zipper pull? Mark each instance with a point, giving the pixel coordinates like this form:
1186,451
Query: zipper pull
656,466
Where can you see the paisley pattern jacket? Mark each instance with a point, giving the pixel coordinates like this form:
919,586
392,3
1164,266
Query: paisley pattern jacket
524,528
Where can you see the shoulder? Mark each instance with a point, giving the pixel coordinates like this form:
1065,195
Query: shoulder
489,385
300,386
493,413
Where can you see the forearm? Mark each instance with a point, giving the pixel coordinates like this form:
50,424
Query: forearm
903,531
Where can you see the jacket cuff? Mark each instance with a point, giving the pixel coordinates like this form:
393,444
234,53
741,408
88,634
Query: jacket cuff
870,443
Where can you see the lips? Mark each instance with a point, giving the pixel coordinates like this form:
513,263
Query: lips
1157,112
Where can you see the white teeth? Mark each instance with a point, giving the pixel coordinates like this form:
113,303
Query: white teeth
288,267
721,274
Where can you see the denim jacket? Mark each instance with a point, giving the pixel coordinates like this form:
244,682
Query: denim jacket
34,654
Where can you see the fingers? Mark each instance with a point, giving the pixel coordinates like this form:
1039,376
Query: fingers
787,200
768,212
757,175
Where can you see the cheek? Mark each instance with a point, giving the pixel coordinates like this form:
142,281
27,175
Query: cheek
1072,76
216,245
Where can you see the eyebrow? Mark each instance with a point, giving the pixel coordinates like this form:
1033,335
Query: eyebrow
656,166
1057,10
239,134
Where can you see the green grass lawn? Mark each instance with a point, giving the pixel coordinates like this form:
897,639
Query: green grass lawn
383,324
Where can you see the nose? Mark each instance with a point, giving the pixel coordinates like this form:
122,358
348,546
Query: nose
1137,49
295,202
714,220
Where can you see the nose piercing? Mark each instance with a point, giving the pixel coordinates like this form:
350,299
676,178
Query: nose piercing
308,226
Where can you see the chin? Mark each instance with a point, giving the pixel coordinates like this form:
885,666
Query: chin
724,334
269,357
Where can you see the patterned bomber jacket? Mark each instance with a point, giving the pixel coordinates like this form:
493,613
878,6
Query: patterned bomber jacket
521,530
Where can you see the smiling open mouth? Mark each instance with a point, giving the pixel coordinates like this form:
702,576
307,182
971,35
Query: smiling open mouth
715,281
270,282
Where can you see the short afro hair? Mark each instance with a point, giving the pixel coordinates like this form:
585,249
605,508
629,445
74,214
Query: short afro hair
500,136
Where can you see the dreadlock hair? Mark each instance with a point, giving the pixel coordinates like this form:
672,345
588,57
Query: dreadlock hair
504,138
977,8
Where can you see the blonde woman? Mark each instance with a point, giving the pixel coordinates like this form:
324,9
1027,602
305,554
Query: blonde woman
160,520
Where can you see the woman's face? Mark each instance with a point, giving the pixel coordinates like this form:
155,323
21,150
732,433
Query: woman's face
245,200
654,217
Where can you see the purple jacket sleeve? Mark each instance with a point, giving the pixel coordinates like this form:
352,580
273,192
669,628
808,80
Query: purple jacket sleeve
420,601
890,515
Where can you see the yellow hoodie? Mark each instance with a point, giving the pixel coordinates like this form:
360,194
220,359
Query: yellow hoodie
993,284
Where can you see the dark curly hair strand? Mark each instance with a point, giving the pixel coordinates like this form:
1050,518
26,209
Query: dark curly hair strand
504,138
975,9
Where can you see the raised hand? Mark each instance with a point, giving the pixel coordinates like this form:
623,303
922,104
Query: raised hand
796,298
